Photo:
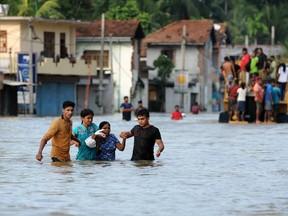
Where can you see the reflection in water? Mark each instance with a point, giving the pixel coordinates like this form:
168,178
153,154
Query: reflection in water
144,163
62,164
206,169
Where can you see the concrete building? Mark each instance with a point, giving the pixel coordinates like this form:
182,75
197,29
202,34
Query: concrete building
194,55
56,74
121,48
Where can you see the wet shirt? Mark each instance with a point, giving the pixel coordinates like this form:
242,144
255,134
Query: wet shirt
126,115
144,141
82,133
195,109
60,131
107,148
176,115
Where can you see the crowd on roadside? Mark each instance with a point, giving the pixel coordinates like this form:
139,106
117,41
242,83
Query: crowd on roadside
255,73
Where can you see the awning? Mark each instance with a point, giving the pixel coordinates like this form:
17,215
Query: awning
15,83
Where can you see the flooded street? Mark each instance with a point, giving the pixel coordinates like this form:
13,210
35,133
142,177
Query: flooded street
207,168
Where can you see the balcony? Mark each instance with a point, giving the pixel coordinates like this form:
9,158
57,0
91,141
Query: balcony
48,66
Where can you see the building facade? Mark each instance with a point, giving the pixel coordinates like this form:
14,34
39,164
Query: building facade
120,45
56,71
189,44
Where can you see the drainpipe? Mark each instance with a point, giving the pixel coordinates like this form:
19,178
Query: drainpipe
183,55
31,101
135,67
101,64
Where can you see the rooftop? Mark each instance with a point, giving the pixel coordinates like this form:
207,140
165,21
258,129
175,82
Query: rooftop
118,28
197,31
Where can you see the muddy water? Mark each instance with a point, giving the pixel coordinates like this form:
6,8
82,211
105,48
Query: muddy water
207,168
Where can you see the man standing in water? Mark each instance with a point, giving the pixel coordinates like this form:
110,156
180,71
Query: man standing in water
126,109
61,133
145,136
140,106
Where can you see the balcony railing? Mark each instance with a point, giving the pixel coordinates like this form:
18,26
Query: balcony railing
48,66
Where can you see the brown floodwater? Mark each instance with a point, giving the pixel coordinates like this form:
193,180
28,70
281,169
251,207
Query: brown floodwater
207,168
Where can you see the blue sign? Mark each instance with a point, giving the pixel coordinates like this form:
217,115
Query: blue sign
23,70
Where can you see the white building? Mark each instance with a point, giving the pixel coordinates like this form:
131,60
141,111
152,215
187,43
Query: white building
121,50
194,53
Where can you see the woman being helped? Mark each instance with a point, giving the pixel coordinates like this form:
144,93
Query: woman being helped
106,147
82,132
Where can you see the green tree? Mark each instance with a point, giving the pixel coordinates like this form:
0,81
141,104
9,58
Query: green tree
35,8
235,23
256,26
50,9
277,16
130,11
165,67
77,9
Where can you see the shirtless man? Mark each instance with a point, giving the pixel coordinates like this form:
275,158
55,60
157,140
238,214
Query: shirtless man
228,69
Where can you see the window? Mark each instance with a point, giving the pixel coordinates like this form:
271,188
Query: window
49,44
95,55
63,48
3,41
169,53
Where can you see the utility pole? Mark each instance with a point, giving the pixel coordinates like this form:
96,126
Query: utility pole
183,53
101,64
30,85
272,38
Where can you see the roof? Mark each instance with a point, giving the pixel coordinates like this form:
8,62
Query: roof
118,28
198,31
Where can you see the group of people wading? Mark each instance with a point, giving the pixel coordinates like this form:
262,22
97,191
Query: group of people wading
257,75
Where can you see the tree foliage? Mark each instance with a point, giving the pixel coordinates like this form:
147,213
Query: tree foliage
244,17
164,66
35,8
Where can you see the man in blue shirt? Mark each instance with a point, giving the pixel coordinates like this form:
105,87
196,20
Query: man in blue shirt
276,98
126,109
268,101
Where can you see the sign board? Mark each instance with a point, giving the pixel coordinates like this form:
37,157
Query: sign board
23,76
181,81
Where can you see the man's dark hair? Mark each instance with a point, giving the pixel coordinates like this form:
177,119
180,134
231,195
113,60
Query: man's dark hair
244,49
68,104
140,101
143,112
125,97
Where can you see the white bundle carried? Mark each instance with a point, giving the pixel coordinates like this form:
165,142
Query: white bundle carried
90,142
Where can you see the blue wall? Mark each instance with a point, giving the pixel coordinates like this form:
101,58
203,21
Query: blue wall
50,97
